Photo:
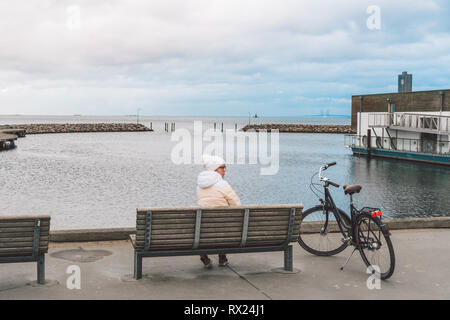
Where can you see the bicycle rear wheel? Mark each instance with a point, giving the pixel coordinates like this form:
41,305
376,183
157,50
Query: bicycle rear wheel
375,245
321,238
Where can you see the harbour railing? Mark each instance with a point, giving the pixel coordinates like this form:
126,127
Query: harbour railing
399,144
417,122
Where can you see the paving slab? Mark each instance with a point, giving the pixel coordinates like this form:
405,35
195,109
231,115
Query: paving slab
106,268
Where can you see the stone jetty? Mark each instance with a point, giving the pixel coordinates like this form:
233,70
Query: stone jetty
301,128
77,127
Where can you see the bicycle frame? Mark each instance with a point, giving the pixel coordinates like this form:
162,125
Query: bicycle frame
328,204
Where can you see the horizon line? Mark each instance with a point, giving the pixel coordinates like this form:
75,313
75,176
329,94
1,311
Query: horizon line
179,116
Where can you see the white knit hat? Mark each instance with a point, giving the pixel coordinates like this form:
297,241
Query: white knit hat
212,162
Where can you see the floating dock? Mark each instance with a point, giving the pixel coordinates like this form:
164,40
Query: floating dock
8,138
7,141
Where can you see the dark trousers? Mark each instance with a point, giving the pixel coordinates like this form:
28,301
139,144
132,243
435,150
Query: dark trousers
205,258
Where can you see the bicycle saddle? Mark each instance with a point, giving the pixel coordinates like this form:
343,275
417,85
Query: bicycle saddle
352,189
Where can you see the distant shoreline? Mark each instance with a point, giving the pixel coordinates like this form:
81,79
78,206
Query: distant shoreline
77,127
337,116
301,128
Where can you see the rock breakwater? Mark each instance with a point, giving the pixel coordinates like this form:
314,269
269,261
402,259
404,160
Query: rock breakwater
77,127
301,128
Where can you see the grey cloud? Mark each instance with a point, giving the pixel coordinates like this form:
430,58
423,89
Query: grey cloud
177,54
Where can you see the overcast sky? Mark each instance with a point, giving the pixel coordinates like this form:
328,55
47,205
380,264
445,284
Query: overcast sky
215,57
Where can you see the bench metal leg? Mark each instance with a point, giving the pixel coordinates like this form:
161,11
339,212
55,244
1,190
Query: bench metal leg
288,259
41,270
137,265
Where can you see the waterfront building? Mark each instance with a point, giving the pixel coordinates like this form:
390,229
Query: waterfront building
407,125
405,82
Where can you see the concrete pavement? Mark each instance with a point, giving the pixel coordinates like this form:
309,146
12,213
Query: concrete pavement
422,272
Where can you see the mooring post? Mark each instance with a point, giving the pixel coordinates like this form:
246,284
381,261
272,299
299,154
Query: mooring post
369,142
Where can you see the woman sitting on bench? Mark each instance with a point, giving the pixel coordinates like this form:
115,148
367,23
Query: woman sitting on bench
214,191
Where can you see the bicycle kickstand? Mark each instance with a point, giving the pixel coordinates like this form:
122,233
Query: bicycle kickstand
348,259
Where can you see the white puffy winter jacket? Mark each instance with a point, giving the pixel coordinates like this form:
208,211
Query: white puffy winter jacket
214,191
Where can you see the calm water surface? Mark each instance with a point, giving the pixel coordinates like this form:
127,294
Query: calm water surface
97,180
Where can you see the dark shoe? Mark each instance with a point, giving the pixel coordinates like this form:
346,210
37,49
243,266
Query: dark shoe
223,261
206,262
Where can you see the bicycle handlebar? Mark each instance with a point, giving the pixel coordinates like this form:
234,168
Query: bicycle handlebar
325,167
330,164
333,184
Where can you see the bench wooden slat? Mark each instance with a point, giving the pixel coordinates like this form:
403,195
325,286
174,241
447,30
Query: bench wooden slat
21,234
24,228
22,249
217,238
42,239
213,234
212,214
216,220
156,221
18,244
195,208
215,225
187,225
180,229
163,215
15,218
171,221
169,236
173,231
191,230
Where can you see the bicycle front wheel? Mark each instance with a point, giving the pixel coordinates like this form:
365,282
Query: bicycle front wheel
320,233
375,245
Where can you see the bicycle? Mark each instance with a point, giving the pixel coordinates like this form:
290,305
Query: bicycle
326,230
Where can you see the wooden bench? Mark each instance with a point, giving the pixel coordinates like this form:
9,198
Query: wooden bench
163,232
25,239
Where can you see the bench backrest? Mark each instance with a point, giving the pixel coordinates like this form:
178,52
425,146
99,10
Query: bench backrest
219,227
19,234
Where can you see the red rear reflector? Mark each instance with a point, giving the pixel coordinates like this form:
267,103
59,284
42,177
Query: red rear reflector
376,214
